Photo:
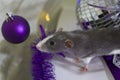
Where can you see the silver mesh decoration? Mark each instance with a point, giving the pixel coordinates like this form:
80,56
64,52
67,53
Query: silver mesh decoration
96,17
90,17
116,60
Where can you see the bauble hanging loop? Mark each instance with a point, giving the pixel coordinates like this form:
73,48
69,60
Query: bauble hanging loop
9,17
15,29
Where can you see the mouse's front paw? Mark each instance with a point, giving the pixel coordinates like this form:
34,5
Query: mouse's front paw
77,60
84,69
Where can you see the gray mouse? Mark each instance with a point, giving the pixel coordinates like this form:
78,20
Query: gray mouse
83,45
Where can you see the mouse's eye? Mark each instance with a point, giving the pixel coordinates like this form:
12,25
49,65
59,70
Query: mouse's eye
52,43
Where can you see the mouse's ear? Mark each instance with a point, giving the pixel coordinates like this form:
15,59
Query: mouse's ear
59,30
68,43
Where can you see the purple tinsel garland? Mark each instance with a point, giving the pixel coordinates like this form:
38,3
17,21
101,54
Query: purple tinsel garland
42,68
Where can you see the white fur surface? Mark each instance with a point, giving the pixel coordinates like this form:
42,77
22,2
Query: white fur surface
116,51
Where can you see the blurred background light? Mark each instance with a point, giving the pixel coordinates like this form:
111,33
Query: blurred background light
47,17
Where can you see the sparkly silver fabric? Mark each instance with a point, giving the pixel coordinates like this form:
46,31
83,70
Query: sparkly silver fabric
116,60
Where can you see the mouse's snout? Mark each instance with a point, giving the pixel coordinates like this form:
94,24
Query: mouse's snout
38,47
42,44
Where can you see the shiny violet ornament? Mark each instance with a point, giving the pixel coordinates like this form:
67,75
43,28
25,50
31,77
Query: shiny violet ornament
15,29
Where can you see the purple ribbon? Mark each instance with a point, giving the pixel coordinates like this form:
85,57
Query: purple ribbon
42,68
114,70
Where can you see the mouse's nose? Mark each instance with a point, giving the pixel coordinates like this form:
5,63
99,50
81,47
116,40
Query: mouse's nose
38,47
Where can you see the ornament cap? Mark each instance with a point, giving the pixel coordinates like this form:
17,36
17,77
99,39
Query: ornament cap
9,17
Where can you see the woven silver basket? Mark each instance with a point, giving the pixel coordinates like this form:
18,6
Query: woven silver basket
92,17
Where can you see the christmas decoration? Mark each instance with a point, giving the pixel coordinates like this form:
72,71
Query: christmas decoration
15,29
42,68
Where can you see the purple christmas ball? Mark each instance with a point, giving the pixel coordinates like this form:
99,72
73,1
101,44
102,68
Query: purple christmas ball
15,29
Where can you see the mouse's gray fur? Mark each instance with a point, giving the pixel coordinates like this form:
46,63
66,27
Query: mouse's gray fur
96,42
